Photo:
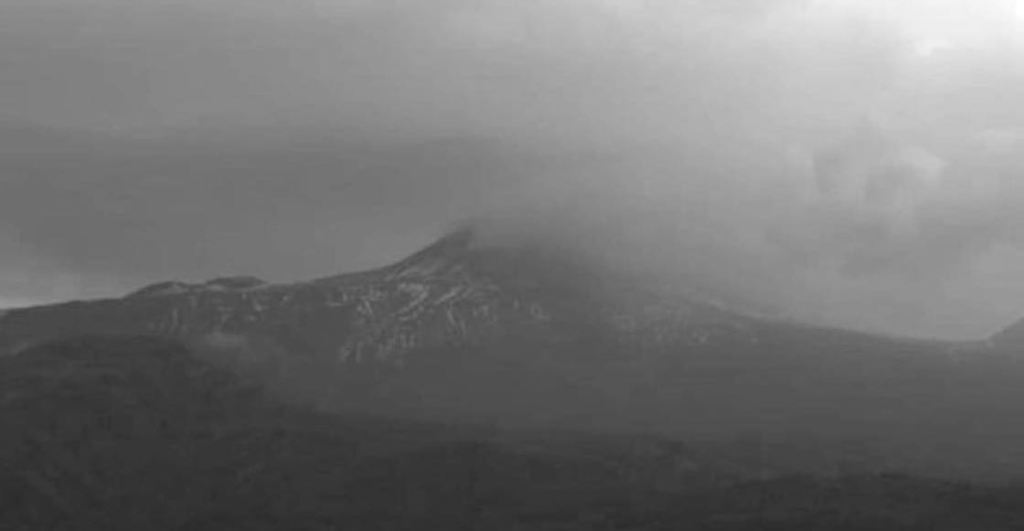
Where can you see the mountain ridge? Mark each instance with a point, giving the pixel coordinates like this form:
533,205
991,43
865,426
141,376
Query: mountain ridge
480,329
467,279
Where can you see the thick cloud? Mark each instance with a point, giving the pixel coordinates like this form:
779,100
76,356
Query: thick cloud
849,161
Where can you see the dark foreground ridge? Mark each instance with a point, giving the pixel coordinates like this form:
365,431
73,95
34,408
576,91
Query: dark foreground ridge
127,433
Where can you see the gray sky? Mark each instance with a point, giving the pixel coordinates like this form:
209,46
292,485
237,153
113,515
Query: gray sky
852,162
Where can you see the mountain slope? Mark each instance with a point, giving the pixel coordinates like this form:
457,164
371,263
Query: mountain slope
468,329
463,328
126,433
454,293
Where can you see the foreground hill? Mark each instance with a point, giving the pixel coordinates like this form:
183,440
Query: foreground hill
527,335
136,433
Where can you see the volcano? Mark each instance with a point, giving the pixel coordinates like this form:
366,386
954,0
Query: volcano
483,329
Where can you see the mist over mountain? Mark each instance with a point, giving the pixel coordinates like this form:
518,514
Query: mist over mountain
498,265
847,162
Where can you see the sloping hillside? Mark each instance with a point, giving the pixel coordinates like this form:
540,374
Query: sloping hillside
135,433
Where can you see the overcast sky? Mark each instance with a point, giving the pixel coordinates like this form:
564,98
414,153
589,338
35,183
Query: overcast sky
855,162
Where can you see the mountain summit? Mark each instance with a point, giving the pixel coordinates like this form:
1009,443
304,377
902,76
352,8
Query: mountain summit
459,290
443,258
463,292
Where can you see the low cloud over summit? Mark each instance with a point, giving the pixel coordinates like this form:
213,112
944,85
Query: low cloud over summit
853,162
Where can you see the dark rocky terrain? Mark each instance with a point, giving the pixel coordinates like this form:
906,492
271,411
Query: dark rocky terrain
524,335
137,433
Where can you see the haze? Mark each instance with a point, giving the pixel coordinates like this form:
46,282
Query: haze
849,162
